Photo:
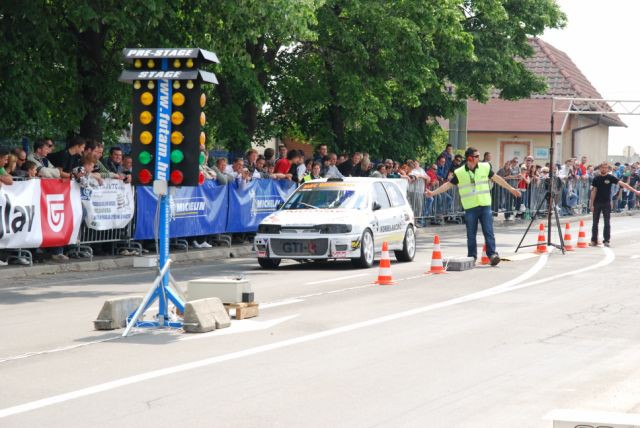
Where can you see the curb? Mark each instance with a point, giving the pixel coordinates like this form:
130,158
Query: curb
122,262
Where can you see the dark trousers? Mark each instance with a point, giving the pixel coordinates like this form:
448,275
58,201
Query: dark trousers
483,215
605,210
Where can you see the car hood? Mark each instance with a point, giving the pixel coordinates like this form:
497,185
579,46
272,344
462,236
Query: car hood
312,217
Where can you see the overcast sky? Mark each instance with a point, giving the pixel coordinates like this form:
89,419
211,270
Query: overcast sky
601,38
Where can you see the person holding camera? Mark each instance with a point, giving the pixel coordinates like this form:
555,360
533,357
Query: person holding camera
472,180
68,159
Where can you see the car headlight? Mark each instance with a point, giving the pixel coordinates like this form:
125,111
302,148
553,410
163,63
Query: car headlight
269,228
334,228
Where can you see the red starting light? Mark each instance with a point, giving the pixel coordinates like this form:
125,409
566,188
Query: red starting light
201,178
176,178
145,176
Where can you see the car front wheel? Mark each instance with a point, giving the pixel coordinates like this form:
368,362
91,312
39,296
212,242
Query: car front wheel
408,251
267,263
367,251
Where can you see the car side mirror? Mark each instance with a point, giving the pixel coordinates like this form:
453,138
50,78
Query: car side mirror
280,205
376,206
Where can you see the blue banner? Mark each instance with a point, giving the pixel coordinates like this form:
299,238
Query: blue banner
195,211
250,203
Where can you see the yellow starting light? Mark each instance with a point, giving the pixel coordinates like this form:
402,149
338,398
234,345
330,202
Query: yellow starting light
203,100
146,98
178,99
203,119
189,63
203,138
137,84
150,84
190,84
137,63
145,117
151,63
177,63
177,118
146,137
176,84
177,137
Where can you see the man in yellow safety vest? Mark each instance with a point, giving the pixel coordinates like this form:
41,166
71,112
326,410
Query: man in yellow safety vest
472,180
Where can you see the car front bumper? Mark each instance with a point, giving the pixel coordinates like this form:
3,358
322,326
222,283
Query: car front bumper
307,246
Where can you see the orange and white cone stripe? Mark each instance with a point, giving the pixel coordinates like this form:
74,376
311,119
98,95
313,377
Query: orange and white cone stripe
582,236
484,260
436,258
542,241
384,272
568,241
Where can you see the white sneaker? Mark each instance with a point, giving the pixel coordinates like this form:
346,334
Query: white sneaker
195,244
205,244
59,258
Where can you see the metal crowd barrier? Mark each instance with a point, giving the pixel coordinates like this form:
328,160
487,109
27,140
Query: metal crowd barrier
571,197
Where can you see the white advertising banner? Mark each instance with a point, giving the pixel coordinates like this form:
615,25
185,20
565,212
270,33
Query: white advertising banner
39,213
108,206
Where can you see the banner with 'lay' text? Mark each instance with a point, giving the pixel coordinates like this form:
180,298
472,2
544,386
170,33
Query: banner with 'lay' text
39,213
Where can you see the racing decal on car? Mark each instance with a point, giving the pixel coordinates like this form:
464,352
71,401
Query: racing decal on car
355,245
390,227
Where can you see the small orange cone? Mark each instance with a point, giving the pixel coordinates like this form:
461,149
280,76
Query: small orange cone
542,241
582,236
485,259
436,258
568,245
384,273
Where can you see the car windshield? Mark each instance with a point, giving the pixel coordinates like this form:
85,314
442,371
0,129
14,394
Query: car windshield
326,196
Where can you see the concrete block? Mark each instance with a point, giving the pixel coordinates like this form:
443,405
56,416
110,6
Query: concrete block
203,315
459,264
229,290
114,312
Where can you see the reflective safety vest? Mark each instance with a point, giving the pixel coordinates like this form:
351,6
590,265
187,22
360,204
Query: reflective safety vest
473,186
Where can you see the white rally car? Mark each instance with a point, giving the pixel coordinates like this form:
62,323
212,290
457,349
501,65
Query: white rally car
346,218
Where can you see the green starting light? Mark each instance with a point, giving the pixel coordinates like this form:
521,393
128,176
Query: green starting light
201,158
177,156
144,157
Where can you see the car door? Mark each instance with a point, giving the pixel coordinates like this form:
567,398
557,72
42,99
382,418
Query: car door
383,214
401,213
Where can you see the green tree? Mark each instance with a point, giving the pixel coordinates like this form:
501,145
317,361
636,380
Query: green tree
380,71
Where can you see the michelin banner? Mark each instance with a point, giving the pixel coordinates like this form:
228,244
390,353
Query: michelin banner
195,211
107,206
249,204
39,213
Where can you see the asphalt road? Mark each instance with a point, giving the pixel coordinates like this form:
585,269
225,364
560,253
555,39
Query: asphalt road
491,347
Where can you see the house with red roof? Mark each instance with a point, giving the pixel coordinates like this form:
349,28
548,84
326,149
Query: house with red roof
511,129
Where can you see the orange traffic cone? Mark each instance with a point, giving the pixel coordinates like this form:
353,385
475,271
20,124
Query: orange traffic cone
568,245
542,241
384,273
436,257
484,260
582,236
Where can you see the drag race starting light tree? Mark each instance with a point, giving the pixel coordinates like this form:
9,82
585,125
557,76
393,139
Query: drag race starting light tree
166,140
167,114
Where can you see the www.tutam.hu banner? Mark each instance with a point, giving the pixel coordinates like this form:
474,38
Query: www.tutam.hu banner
39,213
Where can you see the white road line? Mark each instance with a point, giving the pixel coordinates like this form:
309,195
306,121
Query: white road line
242,326
336,279
280,303
636,256
118,383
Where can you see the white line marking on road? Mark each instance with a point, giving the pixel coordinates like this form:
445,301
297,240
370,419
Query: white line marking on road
340,278
118,383
280,303
637,256
242,326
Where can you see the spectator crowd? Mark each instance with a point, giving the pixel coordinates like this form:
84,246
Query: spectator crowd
84,160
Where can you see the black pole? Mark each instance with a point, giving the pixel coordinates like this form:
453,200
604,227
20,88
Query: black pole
550,206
